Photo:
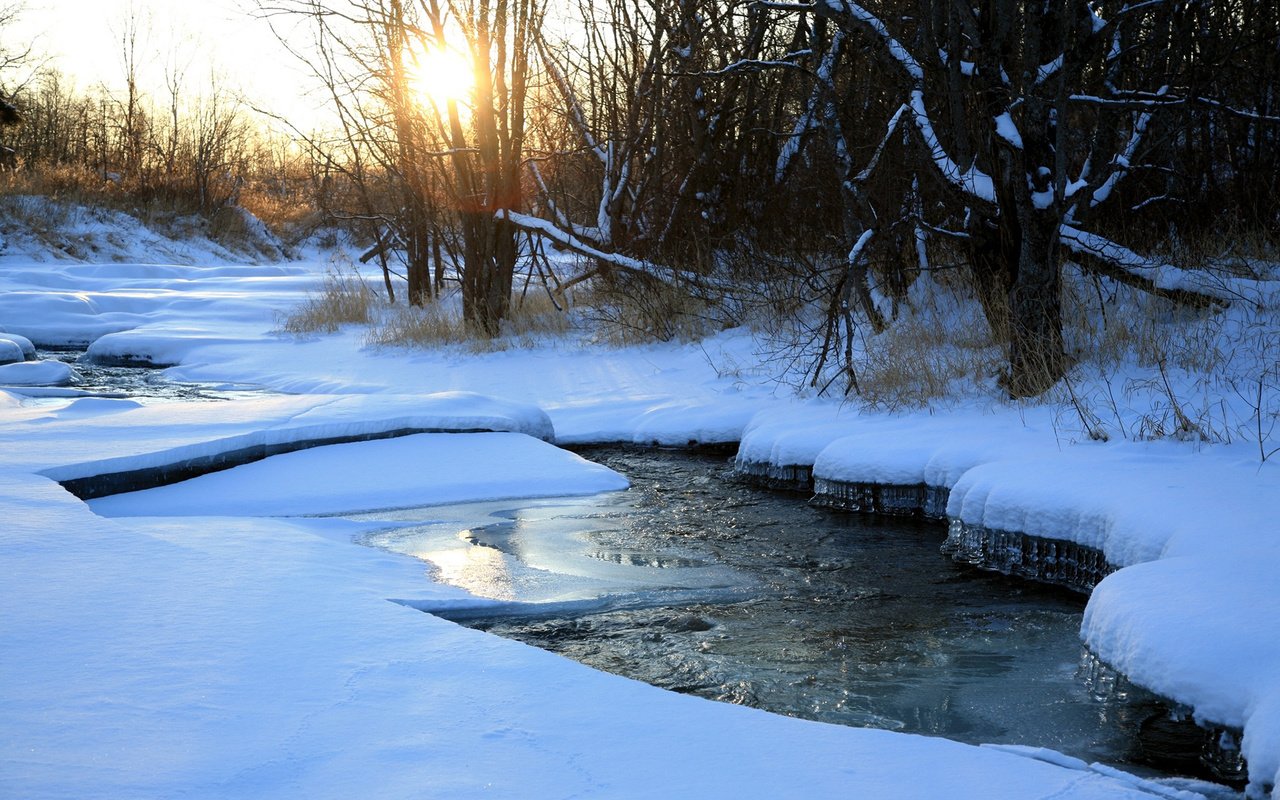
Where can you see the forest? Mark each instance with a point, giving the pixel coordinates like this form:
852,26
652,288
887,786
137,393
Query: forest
797,165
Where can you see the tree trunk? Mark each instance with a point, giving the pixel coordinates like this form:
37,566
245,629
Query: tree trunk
418,262
1036,357
994,247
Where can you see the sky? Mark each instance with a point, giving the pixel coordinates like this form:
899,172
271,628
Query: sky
82,38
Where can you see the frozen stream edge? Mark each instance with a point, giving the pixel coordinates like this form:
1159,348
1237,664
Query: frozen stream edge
1015,553
884,497
1018,554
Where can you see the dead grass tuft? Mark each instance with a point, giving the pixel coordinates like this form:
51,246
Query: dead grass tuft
428,325
344,299
939,347
439,322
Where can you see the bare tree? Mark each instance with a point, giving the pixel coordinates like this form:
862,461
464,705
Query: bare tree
9,59
1028,117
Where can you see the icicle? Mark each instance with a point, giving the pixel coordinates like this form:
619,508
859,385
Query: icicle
786,477
901,500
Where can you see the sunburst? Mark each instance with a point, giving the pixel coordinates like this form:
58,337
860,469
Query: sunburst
439,75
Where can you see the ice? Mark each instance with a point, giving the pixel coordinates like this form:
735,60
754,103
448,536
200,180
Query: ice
1033,557
877,498
793,477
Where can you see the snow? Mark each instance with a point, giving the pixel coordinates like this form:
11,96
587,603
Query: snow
33,373
202,640
10,352
24,345
1160,274
1192,614
548,231
972,180
426,469
1007,129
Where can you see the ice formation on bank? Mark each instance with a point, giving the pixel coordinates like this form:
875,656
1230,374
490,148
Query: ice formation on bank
1183,546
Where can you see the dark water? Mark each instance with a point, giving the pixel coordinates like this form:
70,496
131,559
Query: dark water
697,583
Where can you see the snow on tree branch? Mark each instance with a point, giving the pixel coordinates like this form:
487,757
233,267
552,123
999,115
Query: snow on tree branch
895,49
971,181
808,121
748,65
890,130
571,100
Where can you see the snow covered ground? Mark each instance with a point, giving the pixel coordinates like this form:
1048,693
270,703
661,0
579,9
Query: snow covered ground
221,652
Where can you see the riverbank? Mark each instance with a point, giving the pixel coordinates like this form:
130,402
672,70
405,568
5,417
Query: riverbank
260,657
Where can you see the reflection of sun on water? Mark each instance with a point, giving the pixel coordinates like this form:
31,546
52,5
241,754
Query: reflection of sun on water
440,75
483,571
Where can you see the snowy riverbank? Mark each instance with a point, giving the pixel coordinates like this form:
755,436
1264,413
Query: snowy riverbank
213,656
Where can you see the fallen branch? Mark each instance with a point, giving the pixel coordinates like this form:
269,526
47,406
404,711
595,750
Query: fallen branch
1104,257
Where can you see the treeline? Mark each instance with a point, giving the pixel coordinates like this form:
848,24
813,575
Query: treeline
189,146
195,153
814,157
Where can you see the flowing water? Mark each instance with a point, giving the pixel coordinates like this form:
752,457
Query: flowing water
697,583
143,384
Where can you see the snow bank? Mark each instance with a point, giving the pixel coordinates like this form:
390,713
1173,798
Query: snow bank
10,352
1192,613
173,435
1135,502
44,230
36,373
23,343
223,656
421,470
934,450
794,436
1201,631
1192,616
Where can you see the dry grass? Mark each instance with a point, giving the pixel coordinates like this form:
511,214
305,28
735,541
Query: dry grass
439,322
343,300
428,325
632,309
1148,369
284,213
939,347
158,204
236,228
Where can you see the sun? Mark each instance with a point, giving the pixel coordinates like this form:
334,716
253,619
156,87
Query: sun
439,75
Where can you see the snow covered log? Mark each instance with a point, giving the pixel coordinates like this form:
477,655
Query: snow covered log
1103,256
